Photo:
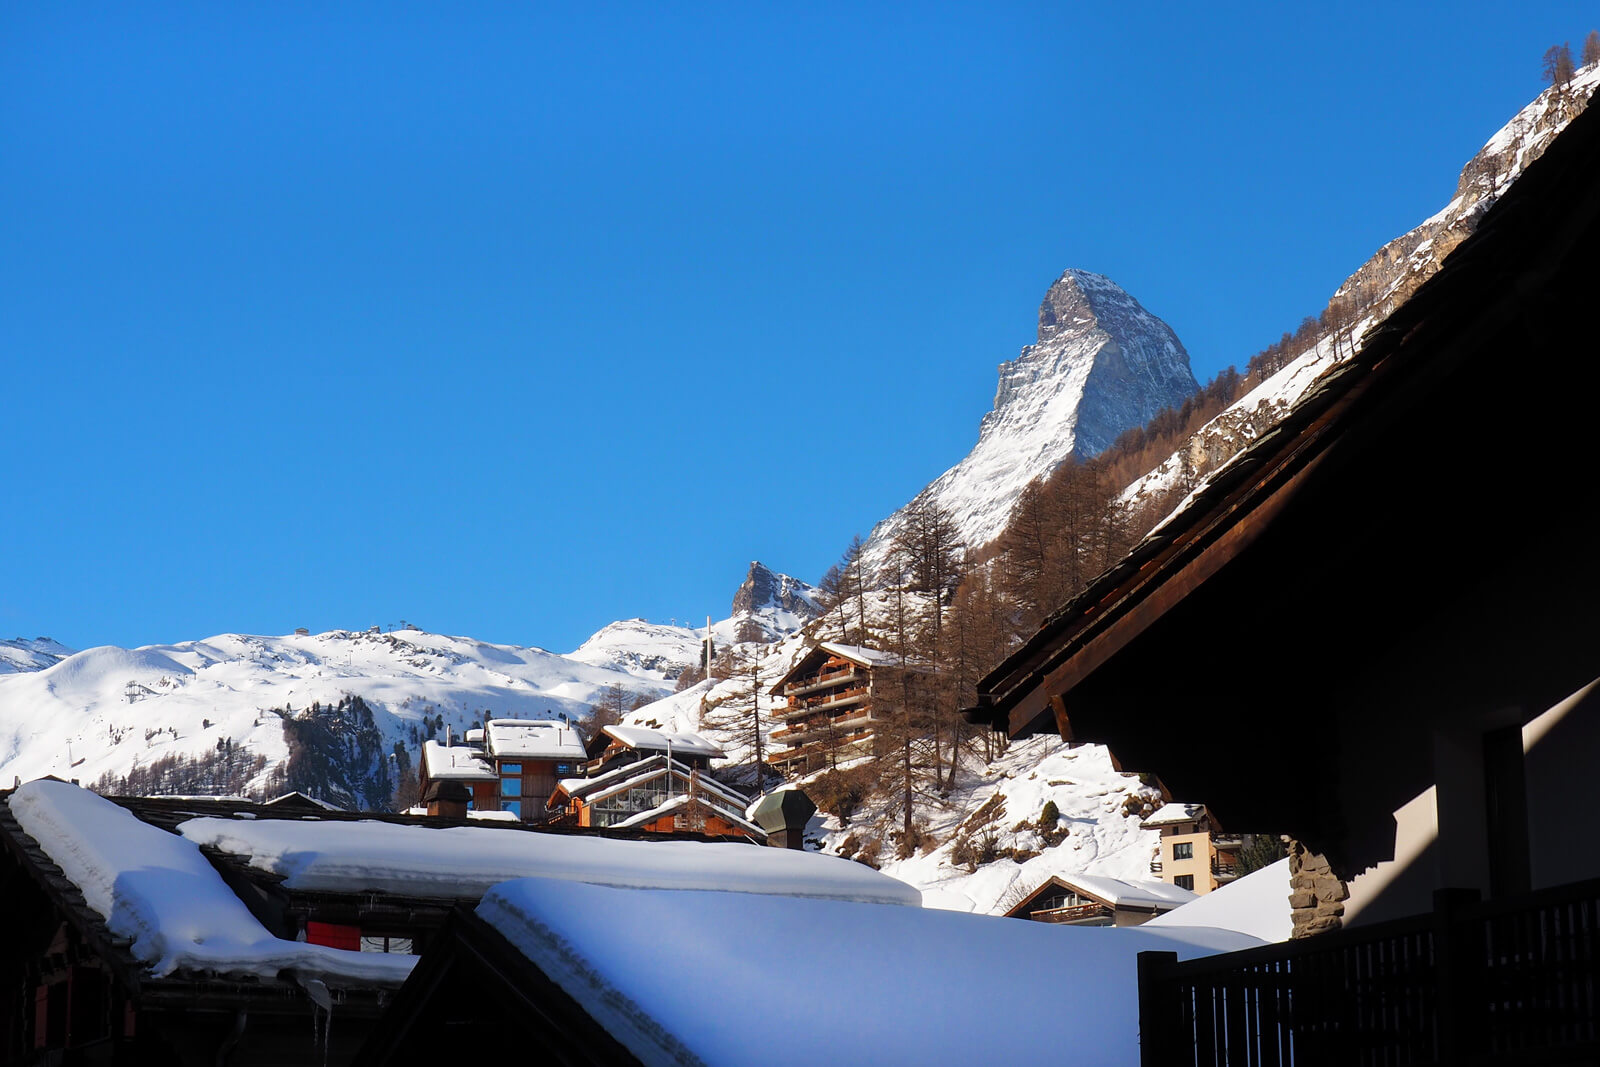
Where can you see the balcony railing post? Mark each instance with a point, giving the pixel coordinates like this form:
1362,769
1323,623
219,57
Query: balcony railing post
1161,1040
1459,964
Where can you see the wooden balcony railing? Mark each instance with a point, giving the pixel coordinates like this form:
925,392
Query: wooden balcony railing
1514,981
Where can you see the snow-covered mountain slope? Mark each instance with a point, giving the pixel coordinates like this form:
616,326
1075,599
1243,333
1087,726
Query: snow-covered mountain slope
1101,365
31,654
1375,289
110,709
768,606
998,813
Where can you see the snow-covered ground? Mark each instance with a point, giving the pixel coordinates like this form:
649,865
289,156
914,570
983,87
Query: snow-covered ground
31,654
1099,810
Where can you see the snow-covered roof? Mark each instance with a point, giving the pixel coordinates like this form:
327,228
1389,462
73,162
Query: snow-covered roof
159,890
462,862
680,802
632,774
682,744
1168,814
455,762
867,657
623,954
1130,893
534,739
475,736
1257,904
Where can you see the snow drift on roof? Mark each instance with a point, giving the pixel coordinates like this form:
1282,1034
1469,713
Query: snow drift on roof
1257,904
624,954
462,862
455,762
869,657
157,889
534,739
1174,812
684,744
1127,893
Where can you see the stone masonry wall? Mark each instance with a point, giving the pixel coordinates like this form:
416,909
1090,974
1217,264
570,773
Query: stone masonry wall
1316,893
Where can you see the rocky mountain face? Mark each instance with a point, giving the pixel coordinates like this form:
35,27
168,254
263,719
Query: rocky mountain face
1396,270
1101,365
1376,288
775,604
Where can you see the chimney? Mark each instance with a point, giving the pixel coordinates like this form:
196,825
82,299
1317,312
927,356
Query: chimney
448,799
783,815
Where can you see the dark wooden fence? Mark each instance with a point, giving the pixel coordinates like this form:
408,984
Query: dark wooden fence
1514,981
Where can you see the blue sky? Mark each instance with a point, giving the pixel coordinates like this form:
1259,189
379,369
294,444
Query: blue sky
511,320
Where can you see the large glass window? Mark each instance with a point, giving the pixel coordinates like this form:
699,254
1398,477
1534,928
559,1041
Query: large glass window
513,806
511,787
1184,881
510,768
630,802
1183,850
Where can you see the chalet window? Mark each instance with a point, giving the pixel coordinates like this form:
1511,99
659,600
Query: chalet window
629,802
384,943
510,768
511,787
1184,881
513,806
564,768
1183,850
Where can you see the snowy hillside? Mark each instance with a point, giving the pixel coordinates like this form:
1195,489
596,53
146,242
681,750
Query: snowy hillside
1101,365
110,709
768,606
993,844
25,654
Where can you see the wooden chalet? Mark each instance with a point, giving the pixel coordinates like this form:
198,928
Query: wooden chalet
1376,628
657,795
1092,900
828,714
509,765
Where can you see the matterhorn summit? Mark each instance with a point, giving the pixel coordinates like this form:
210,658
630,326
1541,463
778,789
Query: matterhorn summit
1102,364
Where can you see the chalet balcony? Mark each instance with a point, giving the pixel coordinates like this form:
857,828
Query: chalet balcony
817,748
1224,870
792,733
1075,913
1155,866
1227,842
835,699
823,680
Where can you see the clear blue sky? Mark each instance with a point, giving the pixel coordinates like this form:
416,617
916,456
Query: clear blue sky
511,320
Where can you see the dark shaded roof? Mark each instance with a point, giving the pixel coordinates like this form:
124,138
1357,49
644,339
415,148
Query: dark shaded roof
1489,283
473,993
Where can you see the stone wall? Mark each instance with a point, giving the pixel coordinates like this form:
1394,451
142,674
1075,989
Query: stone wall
1316,893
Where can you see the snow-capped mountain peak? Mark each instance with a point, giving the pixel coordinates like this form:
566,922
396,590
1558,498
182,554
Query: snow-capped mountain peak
1101,365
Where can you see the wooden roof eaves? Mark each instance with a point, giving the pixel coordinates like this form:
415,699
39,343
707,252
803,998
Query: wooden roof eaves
69,900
